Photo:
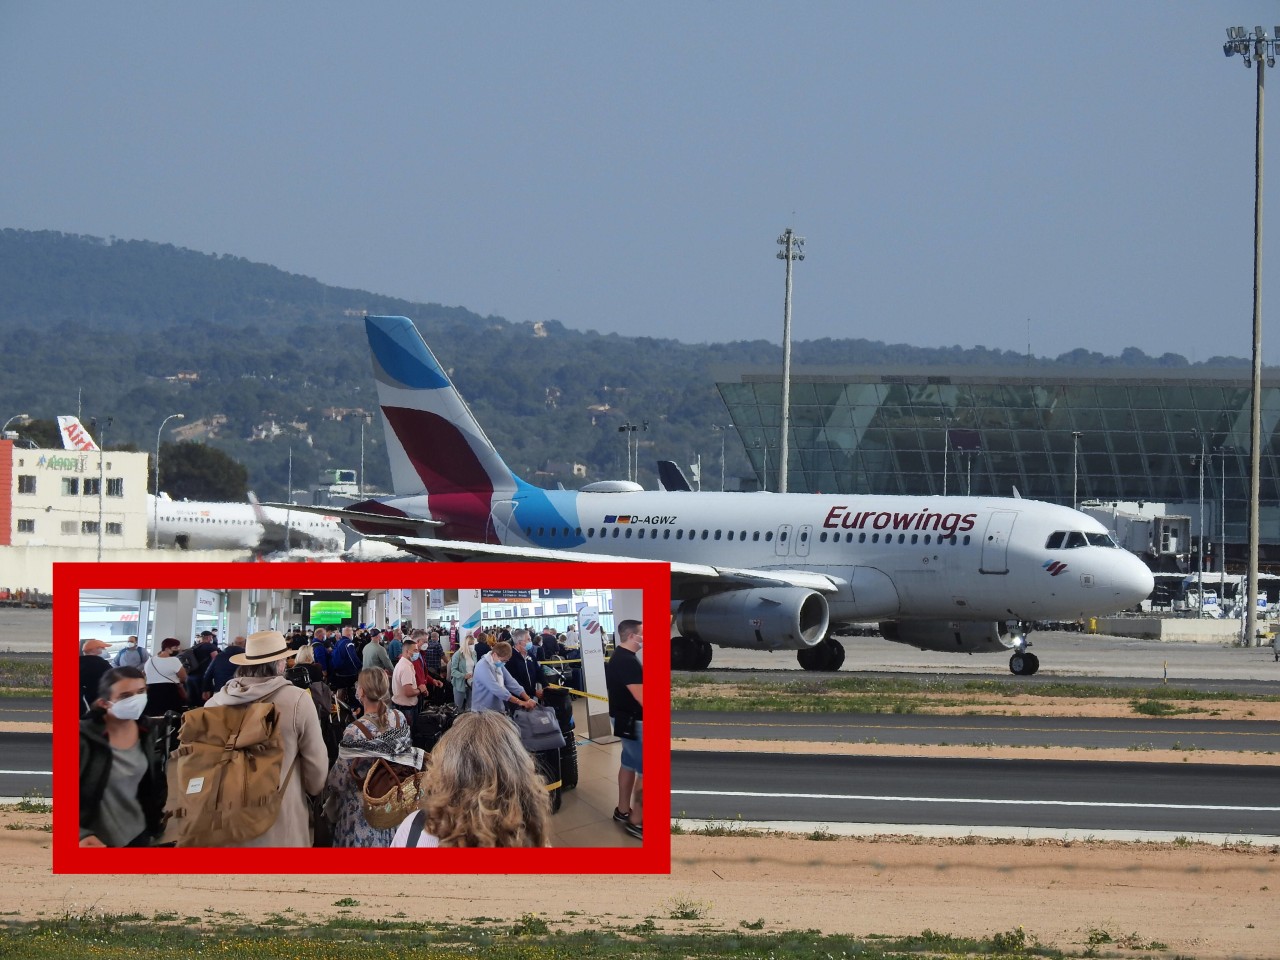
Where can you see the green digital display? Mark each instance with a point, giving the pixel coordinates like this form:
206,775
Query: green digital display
328,612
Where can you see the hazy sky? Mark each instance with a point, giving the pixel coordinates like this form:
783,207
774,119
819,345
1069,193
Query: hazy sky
958,169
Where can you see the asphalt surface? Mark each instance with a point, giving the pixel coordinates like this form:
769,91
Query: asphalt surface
1067,795
1136,733
25,764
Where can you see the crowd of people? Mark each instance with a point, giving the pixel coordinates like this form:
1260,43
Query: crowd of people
337,704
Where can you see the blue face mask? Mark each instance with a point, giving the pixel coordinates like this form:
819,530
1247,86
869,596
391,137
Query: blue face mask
414,655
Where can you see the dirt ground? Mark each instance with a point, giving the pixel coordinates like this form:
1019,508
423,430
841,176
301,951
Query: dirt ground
1197,901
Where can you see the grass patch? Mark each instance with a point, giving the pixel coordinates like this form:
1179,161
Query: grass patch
864,695
20,676
88,935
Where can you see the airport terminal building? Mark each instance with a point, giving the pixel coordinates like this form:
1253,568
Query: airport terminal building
1122,435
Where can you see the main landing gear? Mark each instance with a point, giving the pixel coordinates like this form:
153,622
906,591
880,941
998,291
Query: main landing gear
1023,664
689,654
826,655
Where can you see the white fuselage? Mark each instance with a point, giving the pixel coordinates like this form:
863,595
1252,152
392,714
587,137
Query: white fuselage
207,525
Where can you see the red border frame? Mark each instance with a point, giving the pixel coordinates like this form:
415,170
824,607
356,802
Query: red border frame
653,856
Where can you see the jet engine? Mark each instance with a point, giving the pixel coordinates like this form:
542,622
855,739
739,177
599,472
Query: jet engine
951,636
763,618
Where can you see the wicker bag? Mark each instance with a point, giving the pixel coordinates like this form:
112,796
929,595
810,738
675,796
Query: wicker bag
391,792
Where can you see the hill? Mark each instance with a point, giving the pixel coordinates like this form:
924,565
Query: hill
265,364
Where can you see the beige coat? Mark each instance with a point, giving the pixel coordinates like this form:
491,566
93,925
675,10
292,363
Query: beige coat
300,728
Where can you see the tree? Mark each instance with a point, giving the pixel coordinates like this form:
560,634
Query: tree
196,471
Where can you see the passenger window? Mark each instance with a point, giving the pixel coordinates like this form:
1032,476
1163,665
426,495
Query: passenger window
1055,540
717,534
875,538
616,531
704,534
577,531
822,537
541,531
679,534
966,539
928,538
729,535
666,534
755,536
915,538
629,533
862,537
804,537
768,536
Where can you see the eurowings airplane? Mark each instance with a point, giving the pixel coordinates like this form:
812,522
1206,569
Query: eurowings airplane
760,571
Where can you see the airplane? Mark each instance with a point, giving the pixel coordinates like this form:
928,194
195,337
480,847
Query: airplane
760,571
211,525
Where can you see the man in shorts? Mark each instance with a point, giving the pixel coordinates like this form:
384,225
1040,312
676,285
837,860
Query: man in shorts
624,677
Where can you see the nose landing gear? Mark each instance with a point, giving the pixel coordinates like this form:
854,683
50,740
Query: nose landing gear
1023,664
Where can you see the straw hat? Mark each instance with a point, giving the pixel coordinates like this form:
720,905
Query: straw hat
263,647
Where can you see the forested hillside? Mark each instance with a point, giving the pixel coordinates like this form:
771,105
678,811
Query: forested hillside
135,331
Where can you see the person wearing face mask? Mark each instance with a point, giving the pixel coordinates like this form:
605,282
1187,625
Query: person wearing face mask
93,664
122,783
493,687
381,733
132,655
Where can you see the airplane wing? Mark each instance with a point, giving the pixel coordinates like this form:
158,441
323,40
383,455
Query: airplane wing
408,526
452,551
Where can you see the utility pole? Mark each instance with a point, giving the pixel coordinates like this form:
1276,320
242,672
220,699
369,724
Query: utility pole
1261,48
1075,465
794,250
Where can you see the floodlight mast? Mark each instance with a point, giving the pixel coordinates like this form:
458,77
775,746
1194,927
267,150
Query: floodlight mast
1261,48
794,250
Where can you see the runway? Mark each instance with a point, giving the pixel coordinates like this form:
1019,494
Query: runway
26,764
1136,733
1057,795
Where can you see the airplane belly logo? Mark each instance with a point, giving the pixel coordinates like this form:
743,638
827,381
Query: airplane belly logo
636,518
1054,567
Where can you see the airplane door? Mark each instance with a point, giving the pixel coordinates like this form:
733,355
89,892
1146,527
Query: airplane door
802,539
782,542
995,543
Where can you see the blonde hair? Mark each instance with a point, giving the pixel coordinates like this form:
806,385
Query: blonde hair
482,789
377,690
305,654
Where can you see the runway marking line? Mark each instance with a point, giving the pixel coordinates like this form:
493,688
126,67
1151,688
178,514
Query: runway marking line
1022,803
33,773
887,726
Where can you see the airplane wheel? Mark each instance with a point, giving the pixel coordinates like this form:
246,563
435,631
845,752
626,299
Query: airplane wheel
811,658
702,655
682,654
1032,662
1018,664
837,654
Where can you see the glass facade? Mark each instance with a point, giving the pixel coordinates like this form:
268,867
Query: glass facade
1055,436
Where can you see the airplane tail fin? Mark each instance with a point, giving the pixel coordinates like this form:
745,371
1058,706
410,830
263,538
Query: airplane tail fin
74,435
434,443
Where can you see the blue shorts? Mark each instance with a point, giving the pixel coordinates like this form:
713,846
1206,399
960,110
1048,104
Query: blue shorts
633,750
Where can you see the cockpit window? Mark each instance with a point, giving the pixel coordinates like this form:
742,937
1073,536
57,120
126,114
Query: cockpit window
1101,540
1076,539
1055,540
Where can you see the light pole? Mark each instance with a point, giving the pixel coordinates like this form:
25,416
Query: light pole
722,430
1262,49
1200,541
794,251
24,417
627,429
1075,465
1222,524
155,503
102,464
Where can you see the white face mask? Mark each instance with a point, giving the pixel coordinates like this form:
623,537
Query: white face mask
129,708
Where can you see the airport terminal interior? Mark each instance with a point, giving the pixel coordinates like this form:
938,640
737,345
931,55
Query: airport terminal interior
583,813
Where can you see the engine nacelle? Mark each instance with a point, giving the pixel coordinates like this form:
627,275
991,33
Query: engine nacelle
951,636
764,618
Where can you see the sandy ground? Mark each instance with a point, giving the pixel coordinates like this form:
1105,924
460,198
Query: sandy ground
1203,902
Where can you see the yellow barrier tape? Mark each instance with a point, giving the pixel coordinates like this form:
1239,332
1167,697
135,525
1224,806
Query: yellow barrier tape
581,693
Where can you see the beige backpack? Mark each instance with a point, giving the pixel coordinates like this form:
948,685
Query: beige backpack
224,777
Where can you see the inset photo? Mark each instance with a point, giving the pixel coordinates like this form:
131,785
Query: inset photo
297,718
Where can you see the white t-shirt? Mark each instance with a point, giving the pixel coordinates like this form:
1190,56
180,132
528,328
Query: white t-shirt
162,669
404,675
401,839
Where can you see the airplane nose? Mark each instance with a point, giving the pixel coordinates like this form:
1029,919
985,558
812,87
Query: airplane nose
1133,582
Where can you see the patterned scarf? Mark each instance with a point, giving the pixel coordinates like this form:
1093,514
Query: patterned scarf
362,738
